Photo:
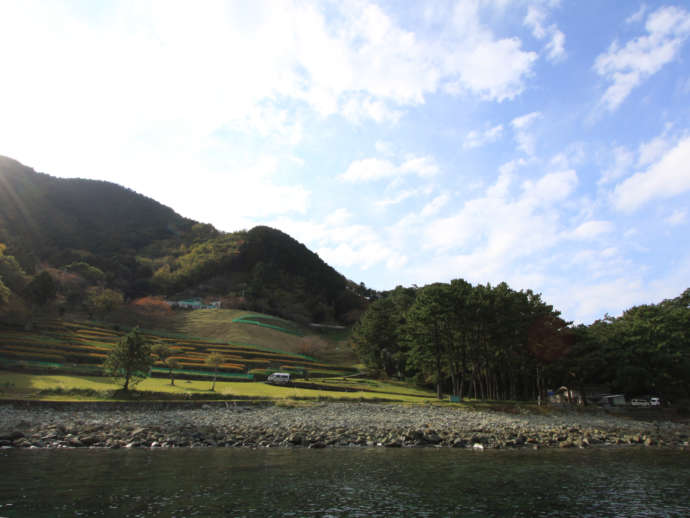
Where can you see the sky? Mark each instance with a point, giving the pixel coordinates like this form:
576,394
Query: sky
542,143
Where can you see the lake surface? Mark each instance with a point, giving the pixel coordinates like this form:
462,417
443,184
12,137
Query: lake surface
344,482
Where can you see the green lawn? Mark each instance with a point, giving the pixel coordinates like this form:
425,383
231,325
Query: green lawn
19,385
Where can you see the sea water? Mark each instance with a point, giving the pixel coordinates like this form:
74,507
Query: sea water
348,482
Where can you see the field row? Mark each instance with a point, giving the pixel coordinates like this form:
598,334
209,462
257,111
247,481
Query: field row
73,345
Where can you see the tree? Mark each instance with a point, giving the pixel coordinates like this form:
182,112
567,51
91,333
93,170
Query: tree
163,352
42,289
4,293
103,300
376,338
129,360
214,360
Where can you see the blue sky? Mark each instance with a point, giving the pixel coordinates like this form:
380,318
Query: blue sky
542,143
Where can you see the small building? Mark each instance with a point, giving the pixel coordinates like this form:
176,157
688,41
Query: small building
611,400
188,304
194,304
565,395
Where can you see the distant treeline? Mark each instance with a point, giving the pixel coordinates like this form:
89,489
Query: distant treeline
497,343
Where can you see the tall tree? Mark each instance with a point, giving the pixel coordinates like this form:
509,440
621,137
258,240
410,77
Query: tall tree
376,338
214,360
164,354
429,332
129,360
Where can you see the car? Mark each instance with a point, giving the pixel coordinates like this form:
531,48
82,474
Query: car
279,378
655,401
639,402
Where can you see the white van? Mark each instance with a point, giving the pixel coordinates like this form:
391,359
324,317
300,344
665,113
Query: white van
279,378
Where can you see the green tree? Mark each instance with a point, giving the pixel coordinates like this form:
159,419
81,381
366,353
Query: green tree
164,354
42,289
102,301
4,293
129,360
11,273
428,323
214,360
376,338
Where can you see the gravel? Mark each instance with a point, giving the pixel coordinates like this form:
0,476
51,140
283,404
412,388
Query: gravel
325,425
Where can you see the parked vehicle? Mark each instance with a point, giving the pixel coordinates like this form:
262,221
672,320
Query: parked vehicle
279,378
655,401
639,402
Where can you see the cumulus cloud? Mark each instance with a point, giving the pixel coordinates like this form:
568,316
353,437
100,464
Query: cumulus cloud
370,169
626,67
536,21
478,62
435,205
666,178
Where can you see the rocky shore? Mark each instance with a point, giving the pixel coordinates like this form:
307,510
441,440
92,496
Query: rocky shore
325,425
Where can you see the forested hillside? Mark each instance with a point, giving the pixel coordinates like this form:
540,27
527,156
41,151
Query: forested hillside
84,245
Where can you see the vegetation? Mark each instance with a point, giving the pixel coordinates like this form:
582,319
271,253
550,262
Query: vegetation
488,342
644,351
163,352
78,249
214,360
55,346
130,360
102,244
64,387
495,343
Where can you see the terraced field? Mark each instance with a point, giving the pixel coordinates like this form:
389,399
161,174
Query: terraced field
79,348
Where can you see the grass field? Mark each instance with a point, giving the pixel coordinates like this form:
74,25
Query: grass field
62,360
66,347
15,385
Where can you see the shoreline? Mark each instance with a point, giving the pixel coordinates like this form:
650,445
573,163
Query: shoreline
321,425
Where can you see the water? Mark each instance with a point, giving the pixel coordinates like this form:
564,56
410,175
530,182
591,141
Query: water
344,483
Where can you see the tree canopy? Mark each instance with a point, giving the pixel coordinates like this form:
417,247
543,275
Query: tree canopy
129,360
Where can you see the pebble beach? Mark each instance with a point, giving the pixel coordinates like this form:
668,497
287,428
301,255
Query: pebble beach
323,425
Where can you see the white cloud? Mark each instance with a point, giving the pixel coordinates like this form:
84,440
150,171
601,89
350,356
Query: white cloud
479,138
550,188
384,148
638,15
556,46
359,109
435,205
475,61
497,228
535,19
652,150
626,67
678,217
523,137
338,217
592,229
344,255
398,198
370,169
668,177
623,159
183,72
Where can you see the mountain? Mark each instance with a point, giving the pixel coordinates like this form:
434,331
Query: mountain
110,236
